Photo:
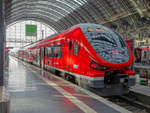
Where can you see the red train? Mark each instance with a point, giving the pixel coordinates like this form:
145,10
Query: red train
93,56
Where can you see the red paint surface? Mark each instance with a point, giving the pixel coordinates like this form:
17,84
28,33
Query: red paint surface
129,43
86,55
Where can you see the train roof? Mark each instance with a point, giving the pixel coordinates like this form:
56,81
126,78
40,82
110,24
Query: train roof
83,26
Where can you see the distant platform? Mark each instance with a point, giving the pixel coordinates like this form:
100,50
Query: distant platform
145,90
142,93
142,66
33,90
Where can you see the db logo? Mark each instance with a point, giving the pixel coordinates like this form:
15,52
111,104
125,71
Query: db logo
115,52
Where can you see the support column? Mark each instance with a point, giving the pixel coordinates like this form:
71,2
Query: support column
4,95
1,44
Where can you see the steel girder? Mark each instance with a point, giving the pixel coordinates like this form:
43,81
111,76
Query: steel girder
17,40
89,12
28,4
36,18
61,14
30,13
51,9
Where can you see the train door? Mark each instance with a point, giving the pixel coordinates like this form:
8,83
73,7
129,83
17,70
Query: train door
70,53
42,53
75,57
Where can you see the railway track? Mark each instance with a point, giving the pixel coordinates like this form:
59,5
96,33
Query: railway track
130,103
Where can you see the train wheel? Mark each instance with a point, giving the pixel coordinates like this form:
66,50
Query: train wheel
70,78
57,72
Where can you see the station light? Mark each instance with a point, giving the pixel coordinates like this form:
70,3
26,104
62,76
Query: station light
100,30
90,30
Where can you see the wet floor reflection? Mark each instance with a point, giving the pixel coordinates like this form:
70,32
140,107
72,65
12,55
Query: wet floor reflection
34,90
18,78
30,94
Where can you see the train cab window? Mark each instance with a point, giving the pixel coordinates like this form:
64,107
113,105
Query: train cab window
76,49
70,45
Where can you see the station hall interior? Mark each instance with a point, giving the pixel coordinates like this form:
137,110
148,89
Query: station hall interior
74,56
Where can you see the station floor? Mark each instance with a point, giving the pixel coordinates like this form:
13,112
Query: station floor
33,90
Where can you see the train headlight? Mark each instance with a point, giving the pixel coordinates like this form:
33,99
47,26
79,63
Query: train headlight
94,65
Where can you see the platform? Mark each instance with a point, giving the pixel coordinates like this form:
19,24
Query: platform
33,90
142,66
142,93
145,90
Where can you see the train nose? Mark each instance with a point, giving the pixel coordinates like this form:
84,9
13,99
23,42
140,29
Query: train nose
115,77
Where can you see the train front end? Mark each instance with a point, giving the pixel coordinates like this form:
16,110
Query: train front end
112,57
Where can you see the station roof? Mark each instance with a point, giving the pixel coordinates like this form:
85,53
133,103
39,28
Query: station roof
62,14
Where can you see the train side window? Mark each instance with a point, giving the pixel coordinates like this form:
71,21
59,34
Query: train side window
76,49
58,51
70,45
54,51
46,52
49,52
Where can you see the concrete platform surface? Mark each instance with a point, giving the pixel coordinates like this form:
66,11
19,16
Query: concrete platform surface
142,93
142,66
33,90
145,90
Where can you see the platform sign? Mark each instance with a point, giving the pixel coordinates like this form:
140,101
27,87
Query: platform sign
31,30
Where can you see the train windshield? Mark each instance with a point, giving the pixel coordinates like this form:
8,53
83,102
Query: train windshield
109,45
106,38
102,38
